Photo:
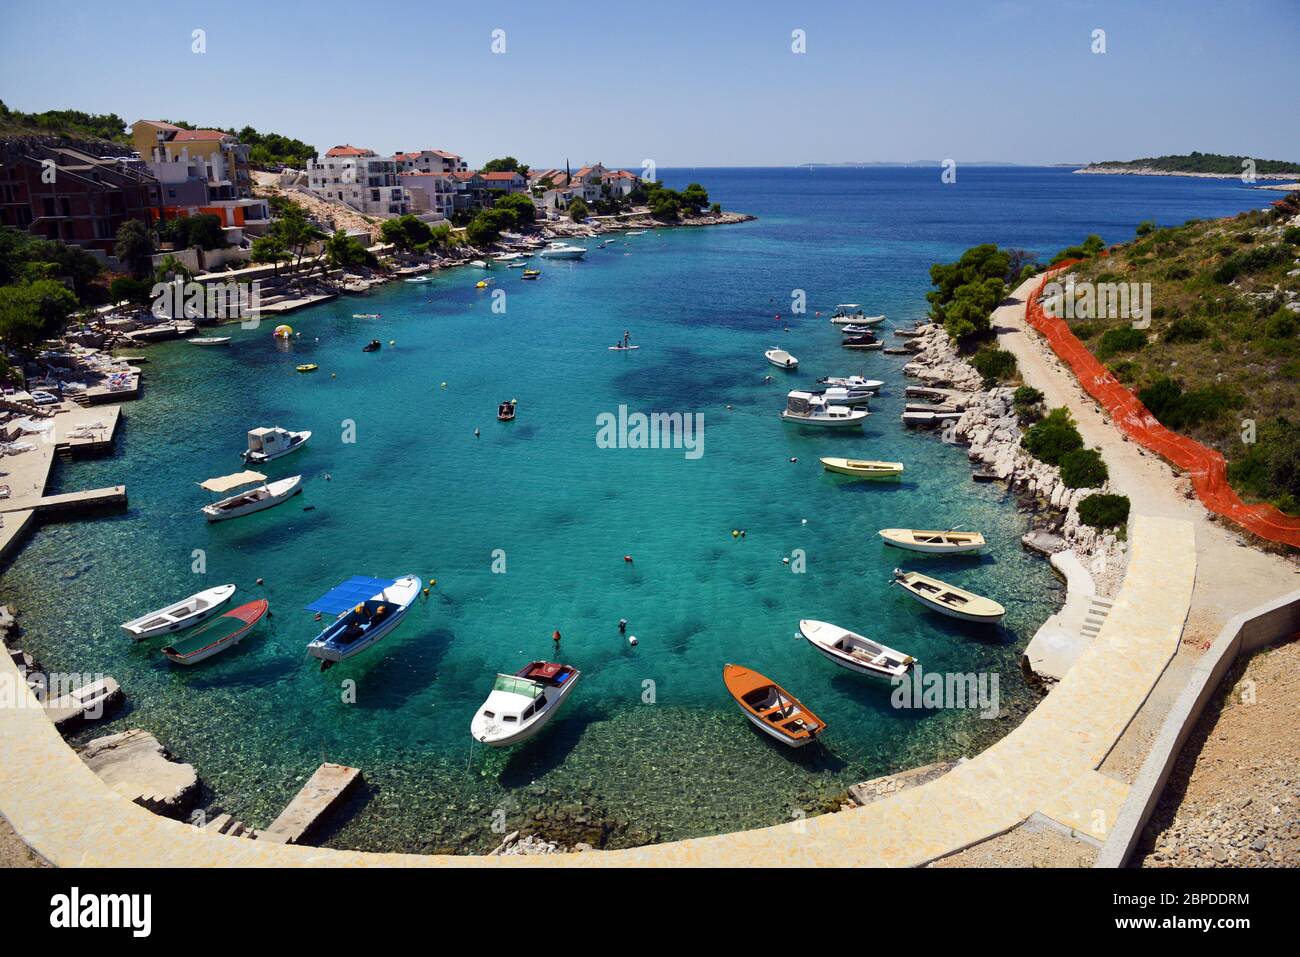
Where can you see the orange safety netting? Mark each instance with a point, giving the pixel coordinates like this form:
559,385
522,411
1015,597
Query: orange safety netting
1206,467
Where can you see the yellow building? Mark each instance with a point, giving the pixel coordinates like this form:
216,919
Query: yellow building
225,158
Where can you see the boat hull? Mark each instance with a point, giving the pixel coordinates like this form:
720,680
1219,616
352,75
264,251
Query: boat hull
772,732
989,612
849,422
847,661
848,467
930,548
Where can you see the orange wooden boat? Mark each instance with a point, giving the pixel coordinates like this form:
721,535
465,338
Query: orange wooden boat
771,708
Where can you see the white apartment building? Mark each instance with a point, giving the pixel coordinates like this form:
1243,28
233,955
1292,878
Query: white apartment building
360,178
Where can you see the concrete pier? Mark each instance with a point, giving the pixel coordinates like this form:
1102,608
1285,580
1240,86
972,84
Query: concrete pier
112,498
87,703
319,797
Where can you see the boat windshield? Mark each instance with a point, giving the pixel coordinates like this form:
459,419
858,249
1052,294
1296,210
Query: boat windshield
516,685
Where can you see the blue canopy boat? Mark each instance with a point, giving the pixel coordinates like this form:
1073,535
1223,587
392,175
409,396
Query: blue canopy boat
367,610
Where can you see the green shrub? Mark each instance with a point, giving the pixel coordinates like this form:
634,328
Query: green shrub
1261,257
1051,438
1083,468
1146,226
1166,400
1291,235
1124,339
1027,395
1104,511
994,365
1187,329
1282,325
126,289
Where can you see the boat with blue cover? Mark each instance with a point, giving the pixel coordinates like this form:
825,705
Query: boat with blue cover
368,609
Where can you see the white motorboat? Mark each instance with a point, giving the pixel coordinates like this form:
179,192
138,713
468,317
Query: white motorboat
362,625
419,279
949,599
209,340
563,251
838,396
852,382
186,613
856,329
951,542
251,500
521,704
267,444
781,359
850,313
804,408
855,652
635,232
505,259
479,264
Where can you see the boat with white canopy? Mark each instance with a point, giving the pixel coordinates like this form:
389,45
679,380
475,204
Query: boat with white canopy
252,500
521,704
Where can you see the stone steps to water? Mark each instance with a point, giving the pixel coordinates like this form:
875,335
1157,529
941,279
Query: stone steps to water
227,826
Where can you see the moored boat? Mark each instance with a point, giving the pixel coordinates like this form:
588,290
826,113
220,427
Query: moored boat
771,708
863,468
183,614
520,705
851,382
804,408
855,652
530,274
362,621
209,340
949,599
850,313
218,635
862,342
266,444
837,396
563,251
781,359
951,542
251,500
506,410
308,367
374,345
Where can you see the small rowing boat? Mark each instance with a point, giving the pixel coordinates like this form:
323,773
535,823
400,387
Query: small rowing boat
863,468
530,274
521,704
217,636
855,652
771,708
925,540
949,599
186,613
308,367
365,315
781,359
209,340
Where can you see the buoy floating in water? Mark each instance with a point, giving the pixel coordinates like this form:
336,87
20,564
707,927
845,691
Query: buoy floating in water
631,640
628,559
735,533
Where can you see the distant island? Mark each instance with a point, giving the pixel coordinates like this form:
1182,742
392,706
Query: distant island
925,162
1215,165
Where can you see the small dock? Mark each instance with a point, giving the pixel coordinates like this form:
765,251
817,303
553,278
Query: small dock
87,703
108,499
329,787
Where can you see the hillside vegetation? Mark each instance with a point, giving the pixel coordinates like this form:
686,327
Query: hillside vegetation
1195,162
73,124
1220,361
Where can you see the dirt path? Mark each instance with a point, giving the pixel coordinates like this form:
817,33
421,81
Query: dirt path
1231,576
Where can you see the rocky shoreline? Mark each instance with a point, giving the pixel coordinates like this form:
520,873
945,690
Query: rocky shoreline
1150,171
990,428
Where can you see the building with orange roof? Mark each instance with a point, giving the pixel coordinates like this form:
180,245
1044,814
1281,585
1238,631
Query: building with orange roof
359,178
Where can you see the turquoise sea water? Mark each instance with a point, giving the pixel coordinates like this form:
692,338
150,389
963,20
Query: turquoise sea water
649,747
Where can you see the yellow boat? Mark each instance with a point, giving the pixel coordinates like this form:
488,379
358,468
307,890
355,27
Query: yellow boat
951,542
949,599
860,468
308,367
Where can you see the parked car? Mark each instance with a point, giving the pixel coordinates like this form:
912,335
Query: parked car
45,398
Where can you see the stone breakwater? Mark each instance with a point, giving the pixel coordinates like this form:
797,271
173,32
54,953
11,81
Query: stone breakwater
990,428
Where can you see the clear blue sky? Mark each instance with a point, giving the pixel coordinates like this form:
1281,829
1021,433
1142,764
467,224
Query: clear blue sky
686,84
